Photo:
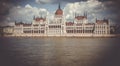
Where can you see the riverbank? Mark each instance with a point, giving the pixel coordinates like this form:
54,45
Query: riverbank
80,36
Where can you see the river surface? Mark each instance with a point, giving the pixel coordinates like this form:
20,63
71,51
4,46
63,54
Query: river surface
19,51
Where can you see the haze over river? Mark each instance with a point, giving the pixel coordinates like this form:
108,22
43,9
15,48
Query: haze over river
19,51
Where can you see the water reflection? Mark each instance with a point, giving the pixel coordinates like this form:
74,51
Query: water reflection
57,51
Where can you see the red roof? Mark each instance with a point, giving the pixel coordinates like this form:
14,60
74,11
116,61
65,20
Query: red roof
27,24
69,23
59,12
78,24
39,19
101,21
18,24
80,17
89,24
35,25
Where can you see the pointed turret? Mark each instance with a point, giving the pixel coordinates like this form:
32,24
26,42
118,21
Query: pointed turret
96,19
85,14
75,14
34,17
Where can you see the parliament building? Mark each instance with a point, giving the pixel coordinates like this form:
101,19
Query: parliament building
42,26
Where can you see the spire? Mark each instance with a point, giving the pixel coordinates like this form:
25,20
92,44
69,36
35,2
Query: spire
96,19
59,6
41,16
104,18
79,14
34,17
75,14
85,13
15,21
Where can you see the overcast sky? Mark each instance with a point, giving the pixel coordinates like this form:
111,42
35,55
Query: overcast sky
24,10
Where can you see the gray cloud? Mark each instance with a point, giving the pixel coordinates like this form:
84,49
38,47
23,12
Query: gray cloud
5,7
56,1
112,6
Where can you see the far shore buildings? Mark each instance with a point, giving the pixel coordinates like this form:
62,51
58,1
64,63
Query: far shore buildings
42,26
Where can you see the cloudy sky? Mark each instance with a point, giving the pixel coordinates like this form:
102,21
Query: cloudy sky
24,10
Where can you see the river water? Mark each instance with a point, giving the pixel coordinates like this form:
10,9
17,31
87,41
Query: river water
19,51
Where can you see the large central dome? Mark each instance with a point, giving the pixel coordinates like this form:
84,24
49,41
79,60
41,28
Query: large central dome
59,11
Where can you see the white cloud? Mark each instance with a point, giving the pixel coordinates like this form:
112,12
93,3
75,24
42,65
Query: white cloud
93,8
26,13
28,6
